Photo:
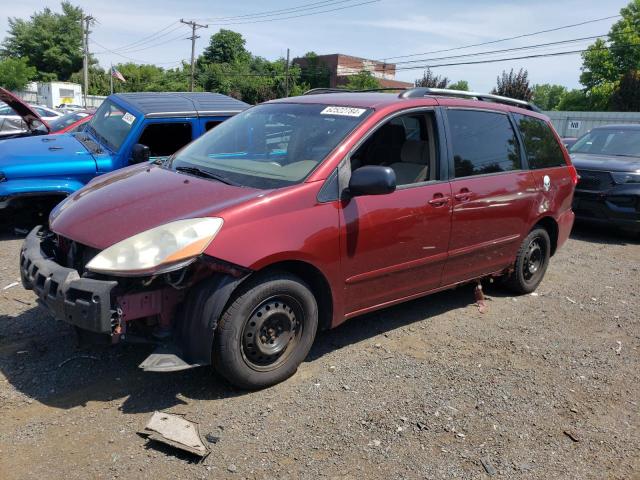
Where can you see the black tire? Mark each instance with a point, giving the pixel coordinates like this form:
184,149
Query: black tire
531,262
266,331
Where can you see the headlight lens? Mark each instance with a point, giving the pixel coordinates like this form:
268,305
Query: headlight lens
625,177
158,250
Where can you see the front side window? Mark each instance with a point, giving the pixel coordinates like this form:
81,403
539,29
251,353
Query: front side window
271,145
164,139
407,144
483,142
609,141
540,144
111,124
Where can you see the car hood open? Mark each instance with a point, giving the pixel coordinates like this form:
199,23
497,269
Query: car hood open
28,114
116,206
608,163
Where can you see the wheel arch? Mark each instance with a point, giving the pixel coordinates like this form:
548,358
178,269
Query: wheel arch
315,279
551,226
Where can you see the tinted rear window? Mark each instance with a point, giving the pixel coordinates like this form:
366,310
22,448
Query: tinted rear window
483,142
540,144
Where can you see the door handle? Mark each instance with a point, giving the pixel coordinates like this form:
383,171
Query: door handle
438,200
463,195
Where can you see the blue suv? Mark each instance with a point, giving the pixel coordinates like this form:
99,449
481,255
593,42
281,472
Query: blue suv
39,170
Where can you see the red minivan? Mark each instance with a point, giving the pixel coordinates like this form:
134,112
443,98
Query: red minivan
300,213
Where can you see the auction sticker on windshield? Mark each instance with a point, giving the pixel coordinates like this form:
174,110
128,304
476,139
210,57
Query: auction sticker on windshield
343,111
128,118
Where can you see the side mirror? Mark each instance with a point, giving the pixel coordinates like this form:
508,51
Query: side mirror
372,180
140,153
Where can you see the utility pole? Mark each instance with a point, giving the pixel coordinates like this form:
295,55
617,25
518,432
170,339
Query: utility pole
286,76
86,21
194,26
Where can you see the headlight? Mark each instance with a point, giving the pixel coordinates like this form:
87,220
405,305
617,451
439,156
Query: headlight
624,177
158,250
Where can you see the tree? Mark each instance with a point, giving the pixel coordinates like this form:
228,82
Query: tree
363,80
50,42
226,46
430,80
15,73
547,96
462,85
315,73
626,97
514,85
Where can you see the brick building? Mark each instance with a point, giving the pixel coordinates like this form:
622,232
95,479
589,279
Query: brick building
340,67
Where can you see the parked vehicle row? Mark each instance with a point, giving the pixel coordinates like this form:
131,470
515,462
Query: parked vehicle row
290,217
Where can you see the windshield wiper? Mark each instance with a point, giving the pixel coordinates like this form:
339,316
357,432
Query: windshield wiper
198,172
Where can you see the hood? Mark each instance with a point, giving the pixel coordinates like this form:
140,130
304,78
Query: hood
116,206
41,155
28,114
608,163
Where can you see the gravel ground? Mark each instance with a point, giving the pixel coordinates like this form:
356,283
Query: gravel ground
541,386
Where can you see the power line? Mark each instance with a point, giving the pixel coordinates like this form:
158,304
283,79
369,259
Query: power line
555,29
150,37
283,11
134,60
194,26
298,16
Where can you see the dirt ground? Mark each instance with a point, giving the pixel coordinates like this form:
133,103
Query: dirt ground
541,386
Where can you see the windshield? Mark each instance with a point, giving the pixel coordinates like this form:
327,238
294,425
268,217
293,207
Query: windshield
271,145
65,120
111,124
625,142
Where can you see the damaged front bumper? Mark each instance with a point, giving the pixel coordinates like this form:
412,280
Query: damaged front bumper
83,302
184,336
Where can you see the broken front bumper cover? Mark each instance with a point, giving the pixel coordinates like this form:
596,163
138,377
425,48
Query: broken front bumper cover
83,302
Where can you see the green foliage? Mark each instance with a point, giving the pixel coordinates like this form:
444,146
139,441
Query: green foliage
462,85
363,80
50,42
315,74
514,85
15,73
431,80
626,98
226,46
608,72
547,96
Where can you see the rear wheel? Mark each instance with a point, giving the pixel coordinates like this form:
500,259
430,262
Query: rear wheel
531,262
266,332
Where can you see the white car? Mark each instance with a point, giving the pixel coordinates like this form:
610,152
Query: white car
10,122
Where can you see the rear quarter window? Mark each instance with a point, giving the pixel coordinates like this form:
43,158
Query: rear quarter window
540,144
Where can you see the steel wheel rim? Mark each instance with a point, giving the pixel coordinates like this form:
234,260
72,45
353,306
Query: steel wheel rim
272,332
533,260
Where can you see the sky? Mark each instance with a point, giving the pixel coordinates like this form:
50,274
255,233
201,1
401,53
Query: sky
382,29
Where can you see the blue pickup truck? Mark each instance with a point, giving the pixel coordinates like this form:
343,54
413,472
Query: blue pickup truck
39,170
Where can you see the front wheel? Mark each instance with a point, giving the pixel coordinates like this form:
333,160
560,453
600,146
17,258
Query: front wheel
531,262
266,332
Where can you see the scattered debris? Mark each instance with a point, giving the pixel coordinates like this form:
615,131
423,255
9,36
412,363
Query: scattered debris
211,438
534,294
332,368
375,443
573,410
22,301
20,231
480,302
619,347
490,469
11,285
571,435
232,468
88,357
346,387
571,300
177,432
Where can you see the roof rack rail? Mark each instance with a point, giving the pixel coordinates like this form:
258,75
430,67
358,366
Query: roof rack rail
319,91
485,97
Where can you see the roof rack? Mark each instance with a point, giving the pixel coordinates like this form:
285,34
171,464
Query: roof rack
485,97
319,91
